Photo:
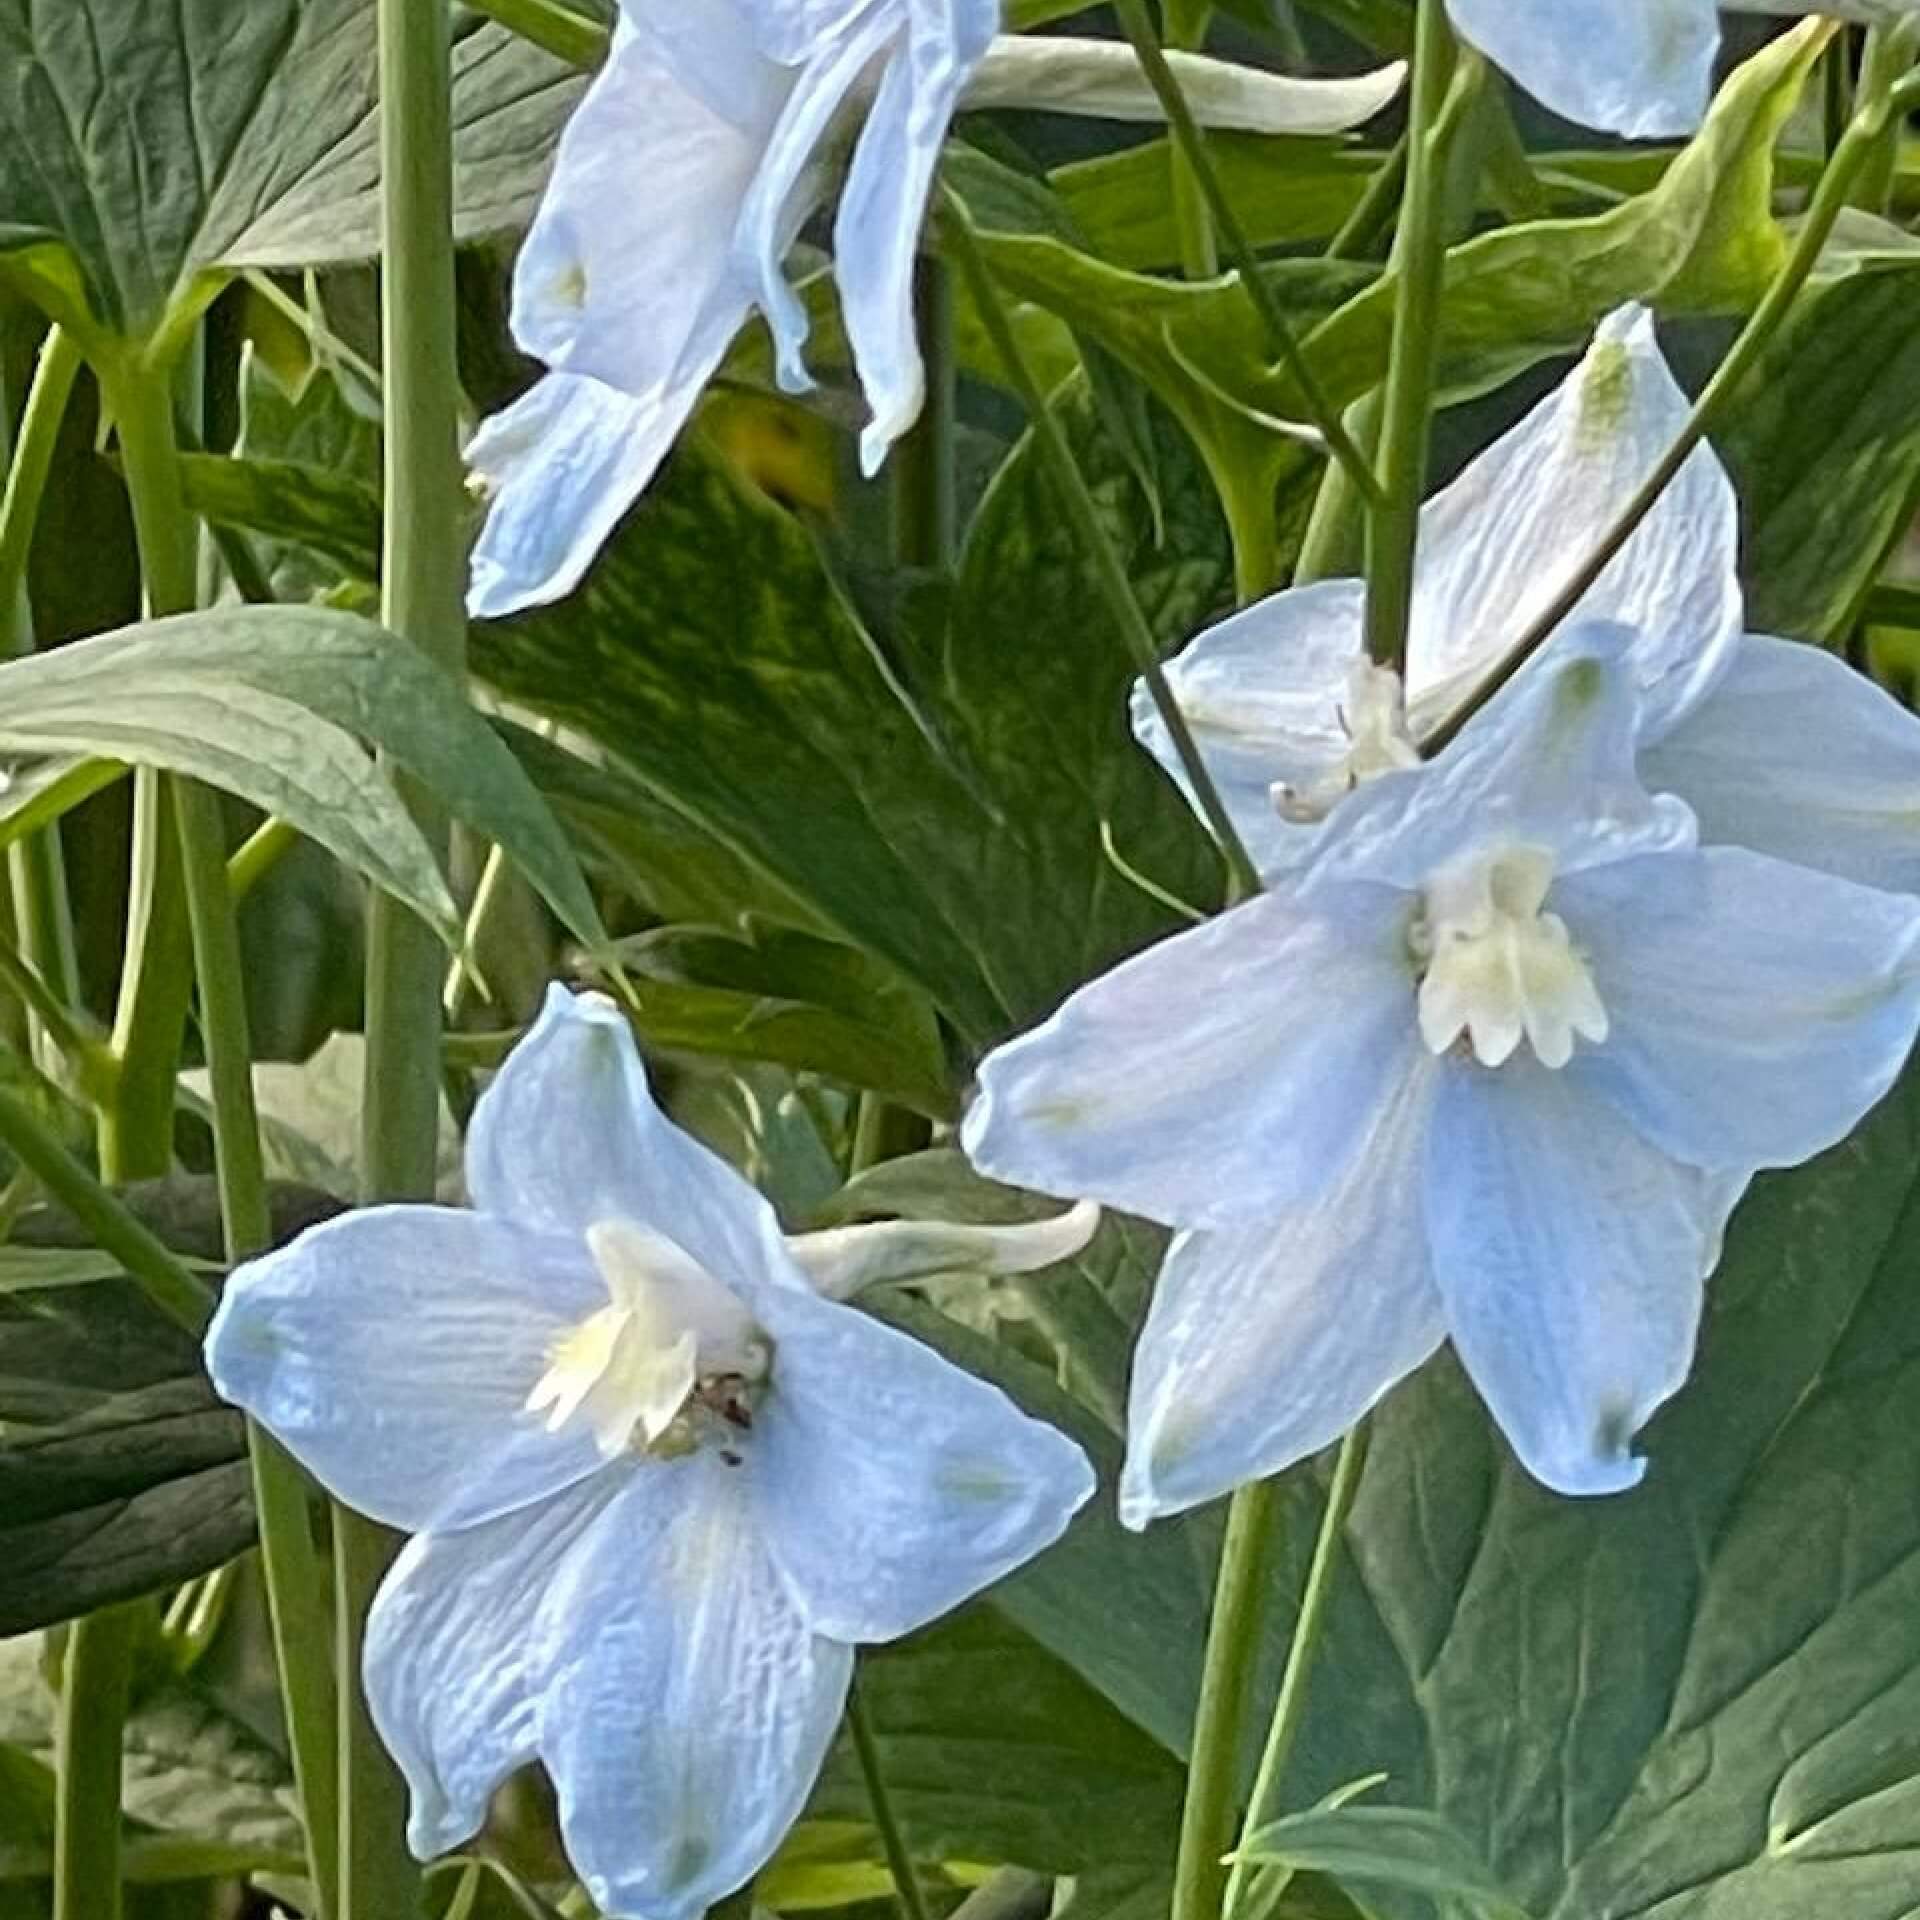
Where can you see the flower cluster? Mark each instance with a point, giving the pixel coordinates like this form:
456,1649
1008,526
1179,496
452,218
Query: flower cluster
1509,1031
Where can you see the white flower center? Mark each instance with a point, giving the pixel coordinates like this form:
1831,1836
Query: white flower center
1499,968
674,1358
1374,720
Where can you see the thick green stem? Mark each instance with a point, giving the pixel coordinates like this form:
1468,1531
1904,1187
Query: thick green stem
925,507
1109,573
906,1883
1407,405
1857,146
294,1568
1290,1706
423,561
93,1710
167,1281
1208,1822
1281,343
1363,227
1886,56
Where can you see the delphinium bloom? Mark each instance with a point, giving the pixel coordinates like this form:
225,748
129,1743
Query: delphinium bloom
681,182
1477,1069
1774,745
660,1482
1643,68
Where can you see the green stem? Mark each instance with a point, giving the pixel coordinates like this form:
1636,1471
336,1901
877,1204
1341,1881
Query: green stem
166,1280
36,865
1886,56
925,508
1192,144
1226,1685
567,35
258,854
93,1711
906,1883
1109,573
1187,22
421,598
73,1035
1374,209
1290,1706
295,1576
1856,147
1406,410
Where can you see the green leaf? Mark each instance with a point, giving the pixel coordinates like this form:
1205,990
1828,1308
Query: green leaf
1826,465
142,147
1398,1847
262,701
994,1751
939,806
120,1470
794,999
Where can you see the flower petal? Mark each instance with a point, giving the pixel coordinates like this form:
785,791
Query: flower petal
568,1135
1642,68
1216,1077
1261,693
1064,73
1549,764
649,305
1757,1009
844,1260
783,187
1266,1342
1796,755
392,1350
688,1705
451,1666
884,203
1499,544
1571,1255
892,1484
560,468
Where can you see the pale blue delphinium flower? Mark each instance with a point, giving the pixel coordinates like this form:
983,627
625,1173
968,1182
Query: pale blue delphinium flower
1467,1073
680,183
660,1484
1774,745
1642,68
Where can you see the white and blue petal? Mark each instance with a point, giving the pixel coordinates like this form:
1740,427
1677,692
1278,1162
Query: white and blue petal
452,1668
687,1704
1215,1077
650,304
391,1351
1571,1254
1266,1342
559,469
1549,764
1261,694
1796,755
1642,68
567,1135
1758,1010
1498,546
891,1484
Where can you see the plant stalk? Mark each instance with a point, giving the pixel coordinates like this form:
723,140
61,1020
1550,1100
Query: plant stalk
573,37
1208,1820
1281,343
893,1840
423,562
94,1696
1110,574
1290,1706
1857,146
1406,410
